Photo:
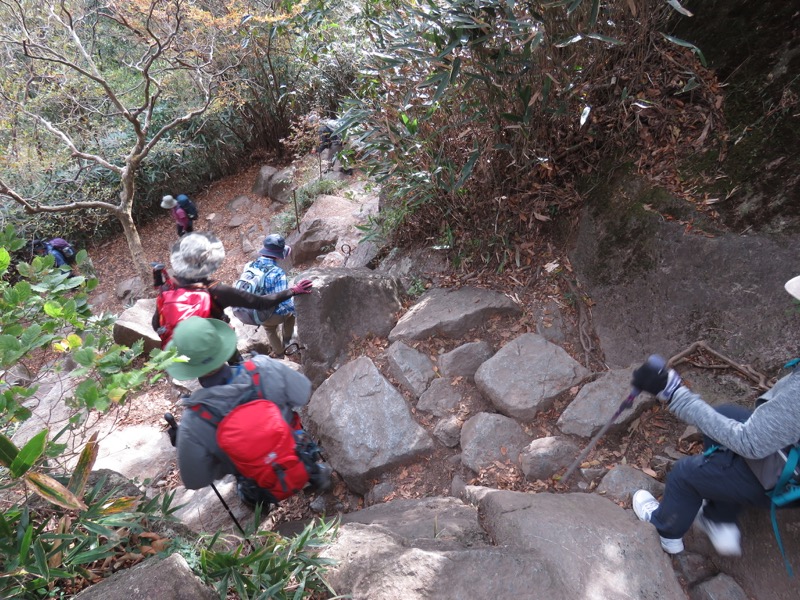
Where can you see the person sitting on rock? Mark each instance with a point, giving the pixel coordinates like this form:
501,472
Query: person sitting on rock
743,459
183,223
194,258
220,431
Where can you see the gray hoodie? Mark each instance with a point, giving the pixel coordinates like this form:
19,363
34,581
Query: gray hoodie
200,459
772,426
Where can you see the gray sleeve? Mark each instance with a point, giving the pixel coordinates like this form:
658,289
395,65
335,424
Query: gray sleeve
772,426
283,385
198,464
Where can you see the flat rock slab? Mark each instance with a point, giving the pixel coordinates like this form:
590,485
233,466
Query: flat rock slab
452,313
526,375
374,564
589,545
440,519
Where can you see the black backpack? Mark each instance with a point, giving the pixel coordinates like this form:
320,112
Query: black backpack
186,204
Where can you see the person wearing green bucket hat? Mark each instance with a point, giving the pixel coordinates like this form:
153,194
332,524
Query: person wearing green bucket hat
205,346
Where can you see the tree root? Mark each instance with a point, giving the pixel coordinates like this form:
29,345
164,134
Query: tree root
759,379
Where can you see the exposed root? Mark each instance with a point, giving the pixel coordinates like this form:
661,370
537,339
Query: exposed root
758,378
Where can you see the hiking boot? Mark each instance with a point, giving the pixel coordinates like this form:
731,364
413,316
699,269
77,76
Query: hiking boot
725,537
250,494
644,504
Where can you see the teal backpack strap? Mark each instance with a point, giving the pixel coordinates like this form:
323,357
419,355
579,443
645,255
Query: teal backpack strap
781,494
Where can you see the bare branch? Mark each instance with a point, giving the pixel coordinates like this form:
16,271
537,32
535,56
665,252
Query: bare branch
35,207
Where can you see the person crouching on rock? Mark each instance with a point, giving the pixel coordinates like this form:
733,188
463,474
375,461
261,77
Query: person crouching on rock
243,420
742,464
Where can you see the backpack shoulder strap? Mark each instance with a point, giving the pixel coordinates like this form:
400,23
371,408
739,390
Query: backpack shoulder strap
783,493
215,416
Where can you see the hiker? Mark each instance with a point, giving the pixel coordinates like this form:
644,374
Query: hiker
182,221
227,426
61,250
741,463
194,258
265,276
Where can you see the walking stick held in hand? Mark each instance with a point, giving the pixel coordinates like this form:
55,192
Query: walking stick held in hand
655,361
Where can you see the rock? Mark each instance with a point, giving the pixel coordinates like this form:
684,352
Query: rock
526,375
465,360
412,368
440,399
597,402
486,438
619,557
544,457
138,451
622,481
130,288
550,322
202,511
358,403
280,185
448,431
170,578
379,493
693,567
237,220
136,324
441,519
346,305
624,257
313,239
451,313
720,586
261,184
240,204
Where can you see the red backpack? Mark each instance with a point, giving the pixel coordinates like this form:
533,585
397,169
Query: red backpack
176,304
259,441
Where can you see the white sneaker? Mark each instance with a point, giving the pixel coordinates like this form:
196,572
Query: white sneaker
725,537
644,504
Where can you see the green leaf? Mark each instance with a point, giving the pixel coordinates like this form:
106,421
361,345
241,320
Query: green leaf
686,44
466,170
53,309
574,6
5,260
8,451
53,491
26,542
29,454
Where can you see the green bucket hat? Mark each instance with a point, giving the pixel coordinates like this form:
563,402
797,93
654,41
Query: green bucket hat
207,343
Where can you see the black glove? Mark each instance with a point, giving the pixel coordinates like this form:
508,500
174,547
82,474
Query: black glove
172,432
656,378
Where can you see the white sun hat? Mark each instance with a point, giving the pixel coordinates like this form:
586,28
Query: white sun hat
793,287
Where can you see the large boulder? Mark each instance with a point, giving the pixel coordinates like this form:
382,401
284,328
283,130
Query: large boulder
452,313
589,545
170,578
526,375
346,305
364,424
135,324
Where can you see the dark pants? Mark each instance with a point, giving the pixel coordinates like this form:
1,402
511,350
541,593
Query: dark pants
722,479
188,229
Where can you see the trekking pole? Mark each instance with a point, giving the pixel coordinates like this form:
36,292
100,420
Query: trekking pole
230,512
654,361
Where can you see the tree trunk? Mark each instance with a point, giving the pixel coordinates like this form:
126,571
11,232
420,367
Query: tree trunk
140,261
